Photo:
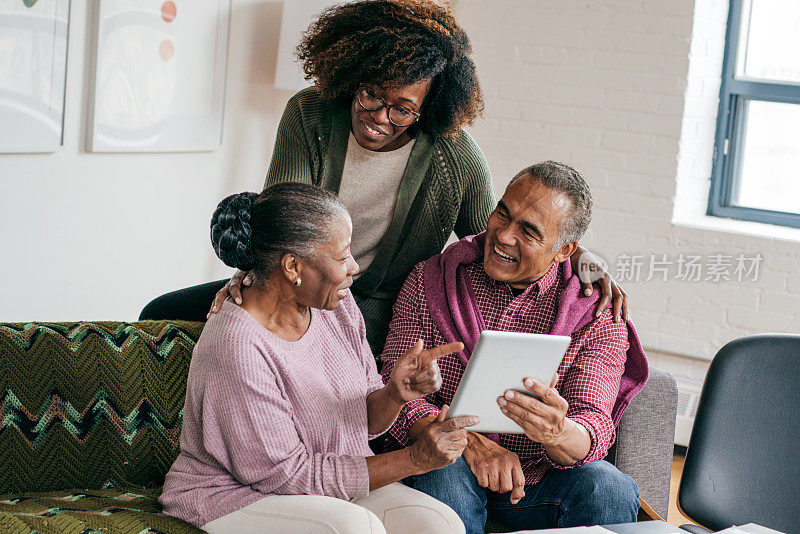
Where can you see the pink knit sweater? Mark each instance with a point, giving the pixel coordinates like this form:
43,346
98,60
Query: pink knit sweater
266,416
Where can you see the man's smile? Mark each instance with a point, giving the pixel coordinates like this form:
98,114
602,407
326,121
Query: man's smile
502,256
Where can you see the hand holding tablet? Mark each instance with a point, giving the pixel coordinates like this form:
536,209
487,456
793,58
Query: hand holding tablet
500,362
541,416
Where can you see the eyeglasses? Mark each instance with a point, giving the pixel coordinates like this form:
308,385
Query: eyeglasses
398,115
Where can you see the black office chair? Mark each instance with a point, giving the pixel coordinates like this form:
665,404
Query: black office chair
187,304
742,464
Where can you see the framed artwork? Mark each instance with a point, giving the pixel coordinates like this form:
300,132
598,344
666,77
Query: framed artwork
159,80
33,68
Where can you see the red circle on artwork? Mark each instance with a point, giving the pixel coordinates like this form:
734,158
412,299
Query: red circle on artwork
168,11
166,50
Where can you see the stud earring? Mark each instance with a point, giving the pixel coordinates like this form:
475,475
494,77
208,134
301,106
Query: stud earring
297,282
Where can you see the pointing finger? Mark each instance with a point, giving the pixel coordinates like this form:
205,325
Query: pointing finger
457,423
442,350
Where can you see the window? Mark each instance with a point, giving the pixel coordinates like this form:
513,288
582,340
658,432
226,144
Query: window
756,170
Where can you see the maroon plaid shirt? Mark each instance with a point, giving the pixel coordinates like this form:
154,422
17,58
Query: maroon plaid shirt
589,375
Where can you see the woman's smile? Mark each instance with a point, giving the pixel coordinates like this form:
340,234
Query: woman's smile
373,131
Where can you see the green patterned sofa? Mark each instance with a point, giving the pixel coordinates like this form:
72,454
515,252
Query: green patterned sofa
90,418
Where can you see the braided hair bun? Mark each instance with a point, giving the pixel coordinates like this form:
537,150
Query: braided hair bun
231,232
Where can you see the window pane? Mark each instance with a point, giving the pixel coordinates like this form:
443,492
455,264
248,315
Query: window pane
770,169
772,41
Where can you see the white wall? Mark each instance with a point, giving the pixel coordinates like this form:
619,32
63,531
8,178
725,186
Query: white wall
604,85
96,236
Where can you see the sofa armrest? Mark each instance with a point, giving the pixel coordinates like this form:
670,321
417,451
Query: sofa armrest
646,439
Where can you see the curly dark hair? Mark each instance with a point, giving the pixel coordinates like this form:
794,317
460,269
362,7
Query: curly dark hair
392,43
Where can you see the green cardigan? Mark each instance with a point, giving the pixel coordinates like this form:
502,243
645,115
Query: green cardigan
445,187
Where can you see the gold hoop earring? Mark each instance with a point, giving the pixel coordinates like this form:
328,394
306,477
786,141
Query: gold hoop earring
297,282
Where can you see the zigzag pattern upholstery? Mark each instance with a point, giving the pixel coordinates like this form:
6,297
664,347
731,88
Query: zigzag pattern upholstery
90,421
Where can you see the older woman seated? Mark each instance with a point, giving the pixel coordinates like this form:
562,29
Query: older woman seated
283,392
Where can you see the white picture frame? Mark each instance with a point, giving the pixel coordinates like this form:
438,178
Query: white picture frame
33,70
159,75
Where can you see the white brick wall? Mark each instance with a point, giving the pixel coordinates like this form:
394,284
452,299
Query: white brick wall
608,87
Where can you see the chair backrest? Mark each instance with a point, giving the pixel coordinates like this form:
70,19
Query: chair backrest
742,464
187,304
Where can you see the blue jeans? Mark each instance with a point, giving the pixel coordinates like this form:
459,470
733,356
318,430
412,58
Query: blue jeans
596,493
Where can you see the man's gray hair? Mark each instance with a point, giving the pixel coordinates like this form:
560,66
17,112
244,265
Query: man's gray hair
564,178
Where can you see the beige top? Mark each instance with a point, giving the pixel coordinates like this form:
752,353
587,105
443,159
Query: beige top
370,181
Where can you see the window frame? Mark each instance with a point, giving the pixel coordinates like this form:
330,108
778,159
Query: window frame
731,126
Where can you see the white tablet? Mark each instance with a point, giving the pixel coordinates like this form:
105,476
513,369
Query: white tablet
500,361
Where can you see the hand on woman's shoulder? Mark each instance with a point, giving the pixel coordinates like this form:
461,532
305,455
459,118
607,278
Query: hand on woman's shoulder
232,329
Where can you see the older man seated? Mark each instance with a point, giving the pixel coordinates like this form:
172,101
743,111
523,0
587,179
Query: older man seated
515,277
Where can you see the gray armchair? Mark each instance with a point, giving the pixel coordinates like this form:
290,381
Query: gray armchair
645,439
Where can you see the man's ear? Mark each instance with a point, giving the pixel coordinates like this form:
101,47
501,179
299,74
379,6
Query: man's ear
566,250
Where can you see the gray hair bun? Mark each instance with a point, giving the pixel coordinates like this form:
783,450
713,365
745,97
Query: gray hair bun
231,231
